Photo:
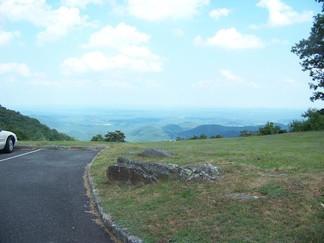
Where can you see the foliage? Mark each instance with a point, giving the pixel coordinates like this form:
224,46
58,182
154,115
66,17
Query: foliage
97,138
269,129
201,136
311,53
117,136
27,128
314,121
217,136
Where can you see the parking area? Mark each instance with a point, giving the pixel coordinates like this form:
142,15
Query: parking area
43,198
17,153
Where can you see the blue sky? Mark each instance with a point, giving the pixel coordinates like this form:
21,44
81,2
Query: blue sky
183,53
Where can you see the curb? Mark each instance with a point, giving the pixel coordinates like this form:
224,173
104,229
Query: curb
120,233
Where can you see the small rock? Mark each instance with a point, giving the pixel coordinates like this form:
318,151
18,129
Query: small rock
241,196
199,173
152,152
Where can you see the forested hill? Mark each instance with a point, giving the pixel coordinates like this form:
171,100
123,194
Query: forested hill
27,128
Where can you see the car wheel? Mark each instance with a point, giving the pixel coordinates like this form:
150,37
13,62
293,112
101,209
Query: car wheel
9,145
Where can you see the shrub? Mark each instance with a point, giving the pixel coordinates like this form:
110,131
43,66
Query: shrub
97,138
314,120
117,136
269,129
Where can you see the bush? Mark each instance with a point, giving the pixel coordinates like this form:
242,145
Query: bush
117,136
97,138
269,129
314,121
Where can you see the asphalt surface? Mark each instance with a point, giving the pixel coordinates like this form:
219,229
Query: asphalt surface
43,198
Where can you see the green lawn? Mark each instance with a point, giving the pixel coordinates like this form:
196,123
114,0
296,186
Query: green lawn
285,172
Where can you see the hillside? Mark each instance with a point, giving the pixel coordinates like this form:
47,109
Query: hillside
27,128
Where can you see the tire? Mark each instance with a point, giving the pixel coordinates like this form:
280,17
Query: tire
9,145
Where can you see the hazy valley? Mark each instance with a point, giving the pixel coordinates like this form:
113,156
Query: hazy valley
159,124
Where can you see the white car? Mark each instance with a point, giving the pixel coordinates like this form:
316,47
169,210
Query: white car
7,141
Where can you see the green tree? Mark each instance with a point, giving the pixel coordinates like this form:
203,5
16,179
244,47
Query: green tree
97,138
216,136
203,136
269,129
311,53
116,136
314,120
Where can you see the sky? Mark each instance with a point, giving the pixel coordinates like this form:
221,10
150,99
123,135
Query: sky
154,53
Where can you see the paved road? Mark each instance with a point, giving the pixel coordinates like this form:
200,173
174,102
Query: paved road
42,198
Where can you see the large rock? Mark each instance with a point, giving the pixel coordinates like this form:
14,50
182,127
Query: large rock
133,172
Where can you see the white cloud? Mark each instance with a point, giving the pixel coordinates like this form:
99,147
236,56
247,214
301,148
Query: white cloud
99,62
34,11
7,37
228,75
156,10
57,22
281,14
130,52
80,3
236,80
220,12
231,39
228,80
15,68
120,36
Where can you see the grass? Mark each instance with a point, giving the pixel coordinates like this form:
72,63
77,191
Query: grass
285,171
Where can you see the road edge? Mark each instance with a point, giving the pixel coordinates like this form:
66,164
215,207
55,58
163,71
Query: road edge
120,233
61,147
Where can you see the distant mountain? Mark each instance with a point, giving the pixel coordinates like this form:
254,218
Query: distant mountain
27,128
213,130
147,133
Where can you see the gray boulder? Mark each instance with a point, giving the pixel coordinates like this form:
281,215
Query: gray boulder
134,172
